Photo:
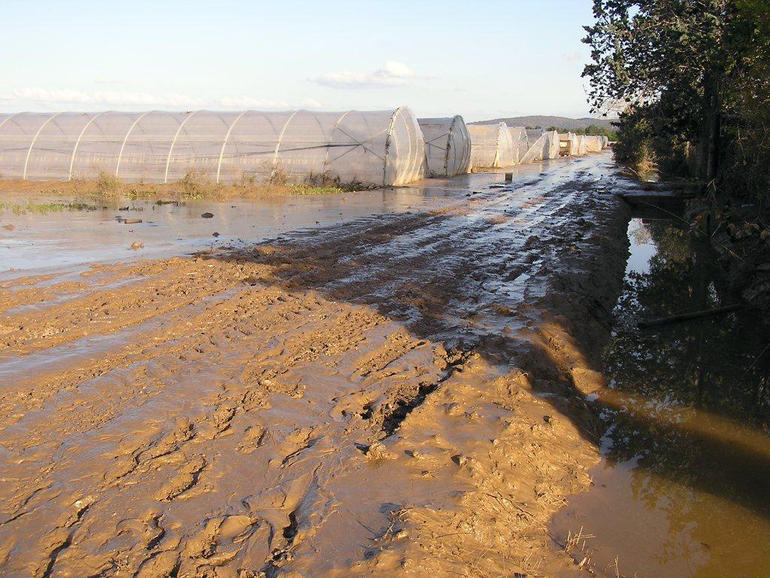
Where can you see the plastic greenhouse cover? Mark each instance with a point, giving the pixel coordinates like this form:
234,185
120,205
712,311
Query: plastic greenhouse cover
372,147
447,146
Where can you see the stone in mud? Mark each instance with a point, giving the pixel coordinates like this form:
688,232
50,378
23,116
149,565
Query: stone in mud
207,215
9,227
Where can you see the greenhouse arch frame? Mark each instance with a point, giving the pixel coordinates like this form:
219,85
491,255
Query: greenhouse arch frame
447,146
370,147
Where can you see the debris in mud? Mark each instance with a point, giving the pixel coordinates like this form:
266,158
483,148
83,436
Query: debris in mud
130,221
215,234
207,215
9,227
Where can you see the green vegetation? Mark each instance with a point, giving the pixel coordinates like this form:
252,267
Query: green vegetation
694,78
194,185
45,208
590,130
107,184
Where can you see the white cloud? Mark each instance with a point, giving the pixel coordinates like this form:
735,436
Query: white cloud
36,98
393,74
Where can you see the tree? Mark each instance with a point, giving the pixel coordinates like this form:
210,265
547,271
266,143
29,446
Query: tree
685,65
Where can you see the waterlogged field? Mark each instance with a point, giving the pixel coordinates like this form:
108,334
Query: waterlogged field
50,231
392,391
404,380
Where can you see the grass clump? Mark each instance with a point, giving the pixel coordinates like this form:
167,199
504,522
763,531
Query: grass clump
31,207
195,184
305,189
107,184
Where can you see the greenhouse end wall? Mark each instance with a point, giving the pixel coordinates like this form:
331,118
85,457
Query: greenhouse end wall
374,147
491,146
447,146
520,142
546,146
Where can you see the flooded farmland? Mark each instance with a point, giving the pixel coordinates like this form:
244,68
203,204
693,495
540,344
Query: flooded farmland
39,231
404,380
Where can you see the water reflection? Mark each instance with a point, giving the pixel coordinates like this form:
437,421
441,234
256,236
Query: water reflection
684,484
39,231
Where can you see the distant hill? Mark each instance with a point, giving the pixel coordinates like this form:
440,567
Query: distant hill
547,121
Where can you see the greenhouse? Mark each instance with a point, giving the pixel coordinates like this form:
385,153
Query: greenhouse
520,142
491,146
379,148
447,146
546,146
579,145
594,144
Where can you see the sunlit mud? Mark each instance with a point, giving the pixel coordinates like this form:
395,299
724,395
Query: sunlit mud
392,394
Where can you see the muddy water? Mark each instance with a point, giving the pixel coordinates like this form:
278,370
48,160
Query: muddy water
39,231
683,488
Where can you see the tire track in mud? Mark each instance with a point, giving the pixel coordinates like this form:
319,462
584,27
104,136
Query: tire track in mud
352,391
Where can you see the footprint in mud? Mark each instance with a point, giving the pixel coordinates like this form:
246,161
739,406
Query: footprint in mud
218,423
129,461
138,536
60,538
294,444
160,564
254,399
221,540
253,437
185,479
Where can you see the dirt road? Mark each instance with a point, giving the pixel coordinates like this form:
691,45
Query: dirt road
395,394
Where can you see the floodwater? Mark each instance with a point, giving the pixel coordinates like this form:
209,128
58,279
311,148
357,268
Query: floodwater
683,488
49,232
43,232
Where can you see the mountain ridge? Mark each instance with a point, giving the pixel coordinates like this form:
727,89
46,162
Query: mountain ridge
545,121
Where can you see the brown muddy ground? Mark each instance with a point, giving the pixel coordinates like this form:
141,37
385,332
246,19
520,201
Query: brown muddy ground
393,395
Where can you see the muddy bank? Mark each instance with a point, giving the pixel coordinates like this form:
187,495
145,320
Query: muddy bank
395,394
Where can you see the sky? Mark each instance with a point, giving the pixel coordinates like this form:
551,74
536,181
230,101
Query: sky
481,59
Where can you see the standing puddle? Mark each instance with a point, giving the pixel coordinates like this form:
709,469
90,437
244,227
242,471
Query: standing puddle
683,487
39,232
